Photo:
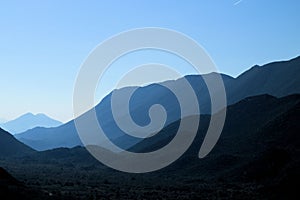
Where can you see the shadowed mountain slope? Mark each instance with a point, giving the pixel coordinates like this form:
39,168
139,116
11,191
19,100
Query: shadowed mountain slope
9,146
256,157
277,79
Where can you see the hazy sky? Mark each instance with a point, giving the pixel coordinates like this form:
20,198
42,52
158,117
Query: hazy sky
43,43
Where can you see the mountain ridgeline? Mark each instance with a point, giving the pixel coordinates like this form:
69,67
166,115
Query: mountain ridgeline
256,157
29,121
278,79
9,146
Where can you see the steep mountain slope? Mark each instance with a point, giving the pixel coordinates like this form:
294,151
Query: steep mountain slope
143,98
6,178
277,79
9,146
243,122
50,138
6,182
258,148
11,188
256,157
29,121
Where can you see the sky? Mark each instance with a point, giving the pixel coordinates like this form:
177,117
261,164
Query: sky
44,43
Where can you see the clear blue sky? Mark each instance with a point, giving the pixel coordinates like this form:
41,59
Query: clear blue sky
43,43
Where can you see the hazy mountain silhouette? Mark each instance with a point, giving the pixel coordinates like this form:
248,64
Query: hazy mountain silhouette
256,157
9,146
29,121
2,121
50,138
278,79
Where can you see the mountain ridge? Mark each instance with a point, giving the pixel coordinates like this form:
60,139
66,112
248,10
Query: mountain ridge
280,78
256,157
29,121
9,146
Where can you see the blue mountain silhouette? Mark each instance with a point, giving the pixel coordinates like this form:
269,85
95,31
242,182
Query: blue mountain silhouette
278,79
29,121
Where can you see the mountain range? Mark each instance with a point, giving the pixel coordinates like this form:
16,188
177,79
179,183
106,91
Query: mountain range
29,121
256,157
278,79
9,146
2,121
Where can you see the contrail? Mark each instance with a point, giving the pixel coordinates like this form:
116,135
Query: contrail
236,3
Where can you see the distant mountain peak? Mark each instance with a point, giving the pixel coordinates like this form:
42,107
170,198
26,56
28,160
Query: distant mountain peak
31,114
28,121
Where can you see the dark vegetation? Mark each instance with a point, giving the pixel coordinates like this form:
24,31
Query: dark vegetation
257,157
